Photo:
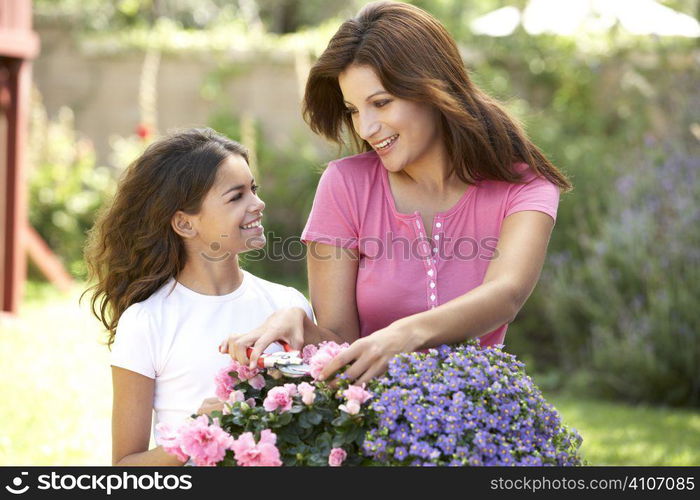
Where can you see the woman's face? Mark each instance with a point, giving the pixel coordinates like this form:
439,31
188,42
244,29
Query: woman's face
403,133
230,220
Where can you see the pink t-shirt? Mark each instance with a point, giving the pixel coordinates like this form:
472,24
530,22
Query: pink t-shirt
401,271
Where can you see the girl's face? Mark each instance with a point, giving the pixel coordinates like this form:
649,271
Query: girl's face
403,133
230,221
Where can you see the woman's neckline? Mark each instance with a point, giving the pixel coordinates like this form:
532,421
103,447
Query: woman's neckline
442,214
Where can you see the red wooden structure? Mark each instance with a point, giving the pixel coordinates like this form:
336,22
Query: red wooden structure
18,46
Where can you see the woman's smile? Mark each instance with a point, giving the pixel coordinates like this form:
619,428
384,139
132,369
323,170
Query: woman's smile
383,147
382,120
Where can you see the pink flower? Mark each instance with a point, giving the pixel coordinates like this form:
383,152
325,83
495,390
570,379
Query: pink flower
337,457
169,439
246,373
291,389
262,454
307,352
307,391
357,393
225,382
236,396
325,353
333,347
250,402
205,444
278,397
318,363
352,408
257,382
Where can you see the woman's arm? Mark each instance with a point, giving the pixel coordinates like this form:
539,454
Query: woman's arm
332,279
131,421
509,281
332,289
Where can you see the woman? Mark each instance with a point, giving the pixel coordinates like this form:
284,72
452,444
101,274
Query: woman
439,230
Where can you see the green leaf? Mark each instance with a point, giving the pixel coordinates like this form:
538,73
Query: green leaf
318,460
304,421
284,419
339,421
324,440
314,417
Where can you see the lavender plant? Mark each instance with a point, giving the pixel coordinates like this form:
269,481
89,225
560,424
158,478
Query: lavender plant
626,314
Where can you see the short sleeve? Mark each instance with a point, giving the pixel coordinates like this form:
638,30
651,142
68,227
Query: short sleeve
298,300
538,194
134,342
333,217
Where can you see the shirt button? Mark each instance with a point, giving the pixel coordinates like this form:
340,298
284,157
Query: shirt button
430,273
435,250
438,224
432,297
417,223
437,237
432,284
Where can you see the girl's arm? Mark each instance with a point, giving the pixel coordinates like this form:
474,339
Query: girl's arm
131,421
509,281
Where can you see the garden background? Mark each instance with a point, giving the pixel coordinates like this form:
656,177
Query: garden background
612,331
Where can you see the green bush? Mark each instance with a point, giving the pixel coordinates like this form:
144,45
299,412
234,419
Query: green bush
589,108
626,314
66,186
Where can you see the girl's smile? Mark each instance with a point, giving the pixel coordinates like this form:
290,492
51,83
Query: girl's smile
232,202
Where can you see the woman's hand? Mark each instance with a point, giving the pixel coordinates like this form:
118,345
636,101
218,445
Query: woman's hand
370,355
284,324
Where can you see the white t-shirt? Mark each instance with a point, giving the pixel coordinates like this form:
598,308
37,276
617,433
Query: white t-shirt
173,337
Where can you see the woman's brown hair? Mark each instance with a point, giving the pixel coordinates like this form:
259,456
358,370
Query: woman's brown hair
416,59
132,249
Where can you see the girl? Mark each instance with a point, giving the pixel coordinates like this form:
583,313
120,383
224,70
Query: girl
437,231
168,285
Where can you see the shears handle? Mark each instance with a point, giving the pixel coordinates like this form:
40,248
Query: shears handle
261,359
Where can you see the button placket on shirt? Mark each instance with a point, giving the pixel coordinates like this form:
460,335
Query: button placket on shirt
432,267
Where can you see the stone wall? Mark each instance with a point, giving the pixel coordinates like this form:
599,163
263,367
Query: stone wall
103,89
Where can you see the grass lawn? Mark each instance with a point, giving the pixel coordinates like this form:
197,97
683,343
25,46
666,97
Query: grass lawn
56,397
620,434
55,384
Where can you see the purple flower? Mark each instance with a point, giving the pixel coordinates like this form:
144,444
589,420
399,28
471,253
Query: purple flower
466,404
400,453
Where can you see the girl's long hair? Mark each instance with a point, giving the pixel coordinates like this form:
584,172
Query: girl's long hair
416,59
132,249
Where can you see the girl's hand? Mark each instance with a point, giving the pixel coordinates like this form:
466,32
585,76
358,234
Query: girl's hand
209,405
284,324
369,356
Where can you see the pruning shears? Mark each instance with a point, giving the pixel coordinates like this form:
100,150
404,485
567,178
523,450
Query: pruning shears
280,356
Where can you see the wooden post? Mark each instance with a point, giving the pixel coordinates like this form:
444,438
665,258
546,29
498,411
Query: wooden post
15,195
18,45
